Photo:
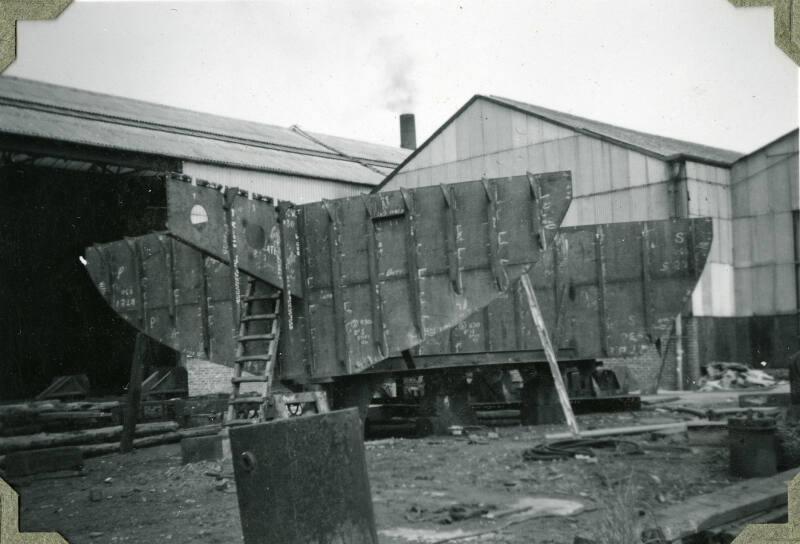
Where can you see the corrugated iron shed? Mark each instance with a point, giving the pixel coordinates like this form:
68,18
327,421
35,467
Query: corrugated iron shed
652,145
665,148
41,110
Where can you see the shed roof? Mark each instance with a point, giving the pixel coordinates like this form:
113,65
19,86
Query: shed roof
43,110
650,144
792,134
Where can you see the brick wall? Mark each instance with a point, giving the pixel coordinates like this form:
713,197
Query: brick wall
642,371
206,378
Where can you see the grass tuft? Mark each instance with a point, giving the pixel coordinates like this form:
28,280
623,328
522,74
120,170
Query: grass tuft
624,513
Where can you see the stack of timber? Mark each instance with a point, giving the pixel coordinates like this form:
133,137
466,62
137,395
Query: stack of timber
54,415
95,428
93,442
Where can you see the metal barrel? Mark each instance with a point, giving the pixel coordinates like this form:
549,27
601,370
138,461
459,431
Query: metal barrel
753,446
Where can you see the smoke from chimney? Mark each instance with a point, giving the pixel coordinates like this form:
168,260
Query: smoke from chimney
408,131
400,87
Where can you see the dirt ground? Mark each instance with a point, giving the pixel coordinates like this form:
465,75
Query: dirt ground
424,489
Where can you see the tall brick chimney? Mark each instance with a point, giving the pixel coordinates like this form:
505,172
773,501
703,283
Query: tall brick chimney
408,131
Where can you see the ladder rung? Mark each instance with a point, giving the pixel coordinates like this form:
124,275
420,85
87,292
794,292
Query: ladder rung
259,317
245,358
254,298
247,400
233,422
248,379
237,405
296,398
253,337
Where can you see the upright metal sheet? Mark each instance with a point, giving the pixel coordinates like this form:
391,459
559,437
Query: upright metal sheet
605,291
170,291
304,480
197,215
385,271
258,237
362,277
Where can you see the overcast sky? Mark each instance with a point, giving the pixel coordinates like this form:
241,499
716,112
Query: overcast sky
700,70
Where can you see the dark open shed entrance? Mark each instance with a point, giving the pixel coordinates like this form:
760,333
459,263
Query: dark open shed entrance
52,319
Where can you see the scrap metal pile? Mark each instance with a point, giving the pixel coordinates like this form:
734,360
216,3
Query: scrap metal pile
729,376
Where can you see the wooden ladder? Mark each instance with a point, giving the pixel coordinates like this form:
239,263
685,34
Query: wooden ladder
243,409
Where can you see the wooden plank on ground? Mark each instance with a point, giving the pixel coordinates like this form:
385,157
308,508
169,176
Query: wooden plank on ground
76,438
93,450
167,436
679,426
724,506
765,399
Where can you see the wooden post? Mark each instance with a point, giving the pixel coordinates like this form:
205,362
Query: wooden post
538,320
134,393
794,387
679,351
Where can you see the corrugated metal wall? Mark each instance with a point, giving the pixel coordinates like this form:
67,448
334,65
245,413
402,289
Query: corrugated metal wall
610,183
764,203
293,188
709,190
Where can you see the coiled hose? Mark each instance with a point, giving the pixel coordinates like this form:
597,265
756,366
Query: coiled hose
564,449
